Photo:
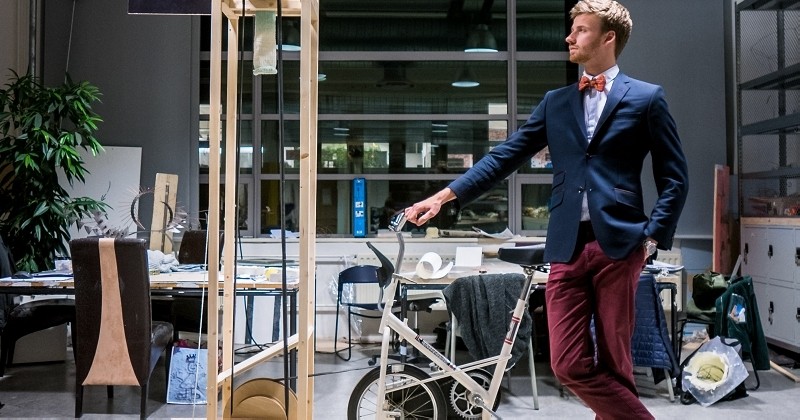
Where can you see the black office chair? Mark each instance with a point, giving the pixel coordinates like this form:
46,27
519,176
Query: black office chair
27,318
361,274
186,313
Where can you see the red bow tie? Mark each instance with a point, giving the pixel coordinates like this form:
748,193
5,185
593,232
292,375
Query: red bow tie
598,83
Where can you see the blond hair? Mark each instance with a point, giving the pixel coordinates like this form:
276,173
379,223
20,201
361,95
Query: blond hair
613,17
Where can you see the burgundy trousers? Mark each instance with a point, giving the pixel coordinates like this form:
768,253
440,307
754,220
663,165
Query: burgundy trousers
599,369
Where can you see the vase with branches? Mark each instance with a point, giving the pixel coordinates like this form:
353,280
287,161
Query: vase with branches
42,130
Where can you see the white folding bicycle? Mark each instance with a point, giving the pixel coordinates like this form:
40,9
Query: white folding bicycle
404,391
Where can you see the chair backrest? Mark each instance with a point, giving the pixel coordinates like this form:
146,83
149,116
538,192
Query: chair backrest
386,269
193,247
363,285
112,311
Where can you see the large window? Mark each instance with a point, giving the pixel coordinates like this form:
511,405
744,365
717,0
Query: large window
403,104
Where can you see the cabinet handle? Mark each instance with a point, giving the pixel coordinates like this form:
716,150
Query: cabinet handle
771,310
797,317
746,251
769,251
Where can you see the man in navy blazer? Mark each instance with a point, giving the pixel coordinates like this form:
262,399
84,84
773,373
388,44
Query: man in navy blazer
599,132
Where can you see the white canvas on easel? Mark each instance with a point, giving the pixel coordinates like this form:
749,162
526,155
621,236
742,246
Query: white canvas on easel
113,178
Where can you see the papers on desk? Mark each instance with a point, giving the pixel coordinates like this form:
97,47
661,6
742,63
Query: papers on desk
658,267
430,267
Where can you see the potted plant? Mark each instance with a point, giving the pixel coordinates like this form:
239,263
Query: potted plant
41,131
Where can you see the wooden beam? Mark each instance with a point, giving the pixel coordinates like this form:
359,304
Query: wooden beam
784,372
233,8
309,39
721,243
214,122
274,350
231,230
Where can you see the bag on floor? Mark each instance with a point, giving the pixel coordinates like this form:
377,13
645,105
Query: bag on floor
712,373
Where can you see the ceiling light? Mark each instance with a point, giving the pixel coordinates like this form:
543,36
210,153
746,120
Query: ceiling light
290,37
480,39
466,78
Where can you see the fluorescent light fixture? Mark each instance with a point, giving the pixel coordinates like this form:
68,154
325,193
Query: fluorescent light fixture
291,37
466,78
480,39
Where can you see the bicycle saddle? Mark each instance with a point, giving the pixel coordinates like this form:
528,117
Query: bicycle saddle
526,256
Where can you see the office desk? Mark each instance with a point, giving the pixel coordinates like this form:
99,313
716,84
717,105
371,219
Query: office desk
179,284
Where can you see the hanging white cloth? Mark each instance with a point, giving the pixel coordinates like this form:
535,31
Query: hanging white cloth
264,44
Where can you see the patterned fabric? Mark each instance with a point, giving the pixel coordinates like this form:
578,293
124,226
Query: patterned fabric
482,305
651,346
598,83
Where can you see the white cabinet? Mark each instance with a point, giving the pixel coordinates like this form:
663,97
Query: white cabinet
770,248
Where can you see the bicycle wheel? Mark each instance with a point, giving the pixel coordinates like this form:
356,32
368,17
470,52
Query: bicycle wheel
422,401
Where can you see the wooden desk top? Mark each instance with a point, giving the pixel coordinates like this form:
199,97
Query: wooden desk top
174,280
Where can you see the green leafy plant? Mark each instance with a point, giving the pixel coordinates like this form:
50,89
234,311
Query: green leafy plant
42,130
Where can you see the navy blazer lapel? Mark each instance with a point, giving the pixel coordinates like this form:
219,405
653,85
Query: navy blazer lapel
576,103
618,91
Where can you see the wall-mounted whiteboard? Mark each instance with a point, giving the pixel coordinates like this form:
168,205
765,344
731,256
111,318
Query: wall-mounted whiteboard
114,179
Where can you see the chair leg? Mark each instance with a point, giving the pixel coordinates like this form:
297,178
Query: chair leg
168,361
533,375
143,406
668,380
78,400
110,391
349,334
453,339
3,356
336,334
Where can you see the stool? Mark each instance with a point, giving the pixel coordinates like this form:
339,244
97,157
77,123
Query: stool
31,317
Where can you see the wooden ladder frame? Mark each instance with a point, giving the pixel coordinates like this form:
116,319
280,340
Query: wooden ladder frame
303,341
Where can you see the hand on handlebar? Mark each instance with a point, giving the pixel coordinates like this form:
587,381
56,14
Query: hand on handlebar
425,210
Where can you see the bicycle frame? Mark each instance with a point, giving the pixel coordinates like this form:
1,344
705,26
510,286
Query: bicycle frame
478,395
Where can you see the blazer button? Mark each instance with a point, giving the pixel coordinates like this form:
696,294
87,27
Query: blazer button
580,190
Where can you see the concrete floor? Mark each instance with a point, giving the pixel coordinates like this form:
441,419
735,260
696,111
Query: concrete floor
47,391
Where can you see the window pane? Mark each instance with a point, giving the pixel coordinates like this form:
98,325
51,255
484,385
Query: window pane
409,25
245,149
244,98
291,89
542,25
488,213
418,87
385,197
269,147
535,213
535,78
243,198
387,147
333,206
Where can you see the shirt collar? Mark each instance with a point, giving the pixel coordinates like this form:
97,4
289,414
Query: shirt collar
610,75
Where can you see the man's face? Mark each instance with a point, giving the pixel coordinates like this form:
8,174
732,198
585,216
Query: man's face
586,38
